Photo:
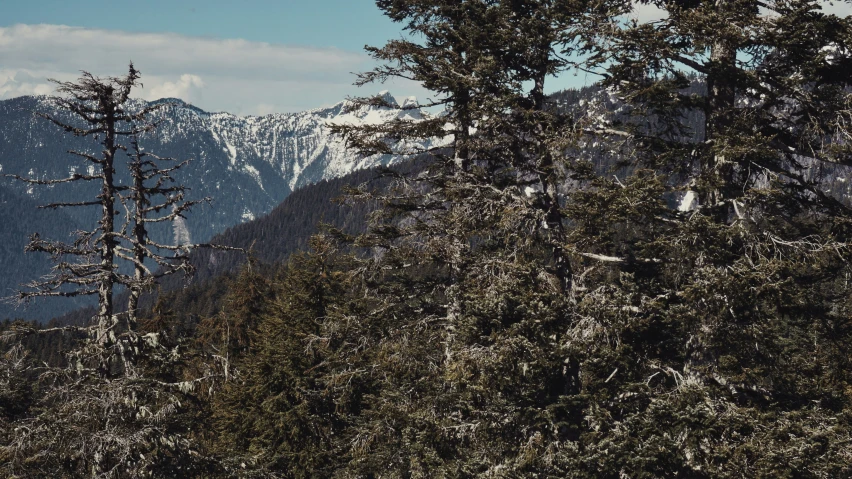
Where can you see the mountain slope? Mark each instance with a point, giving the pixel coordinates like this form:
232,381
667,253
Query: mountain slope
20,217
246,165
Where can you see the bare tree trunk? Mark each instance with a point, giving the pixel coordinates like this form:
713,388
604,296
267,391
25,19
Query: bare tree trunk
462,103
140,235
462,160
463,130
550,184
106,319
721,95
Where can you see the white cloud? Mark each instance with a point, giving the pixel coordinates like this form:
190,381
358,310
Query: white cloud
649,13
16,83
238,76
215,74
188,87
265,109
837,7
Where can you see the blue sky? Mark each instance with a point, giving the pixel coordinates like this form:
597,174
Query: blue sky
344,24
244,57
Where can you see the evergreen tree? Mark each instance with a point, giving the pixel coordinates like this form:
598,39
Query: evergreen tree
715,302
557,293
682,338
278,415
470,271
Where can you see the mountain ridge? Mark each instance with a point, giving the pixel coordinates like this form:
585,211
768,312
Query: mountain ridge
246,164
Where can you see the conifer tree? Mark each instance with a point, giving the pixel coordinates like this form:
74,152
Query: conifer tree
470,270
678,329
708,337
278,415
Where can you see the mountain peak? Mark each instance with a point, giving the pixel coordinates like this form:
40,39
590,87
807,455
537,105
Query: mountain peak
388,98
410,102
178,103
247,164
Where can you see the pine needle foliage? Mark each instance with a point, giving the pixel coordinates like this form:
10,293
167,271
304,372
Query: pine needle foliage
712,327
279,414
602,325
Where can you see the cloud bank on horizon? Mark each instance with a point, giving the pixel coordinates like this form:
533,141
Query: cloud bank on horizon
234,75
231,75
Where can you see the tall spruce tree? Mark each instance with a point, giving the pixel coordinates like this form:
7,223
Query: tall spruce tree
470,271
700,338
710,337
277,415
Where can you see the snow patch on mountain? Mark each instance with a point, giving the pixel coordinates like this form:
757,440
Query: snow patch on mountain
688,202
246,164
231,151
299,147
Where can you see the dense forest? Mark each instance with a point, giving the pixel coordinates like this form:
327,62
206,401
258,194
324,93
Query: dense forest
645,278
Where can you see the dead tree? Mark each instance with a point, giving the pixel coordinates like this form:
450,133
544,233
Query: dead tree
100,108
87,266
154,197
116,403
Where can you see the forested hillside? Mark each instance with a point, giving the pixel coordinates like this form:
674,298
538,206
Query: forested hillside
269,242
647,278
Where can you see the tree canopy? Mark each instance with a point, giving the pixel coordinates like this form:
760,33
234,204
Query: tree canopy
651,281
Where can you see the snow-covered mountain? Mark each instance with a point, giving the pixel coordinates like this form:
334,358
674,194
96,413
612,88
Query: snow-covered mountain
277,153
247,165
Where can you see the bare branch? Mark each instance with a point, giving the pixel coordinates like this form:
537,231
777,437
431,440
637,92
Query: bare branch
74,177
66,205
